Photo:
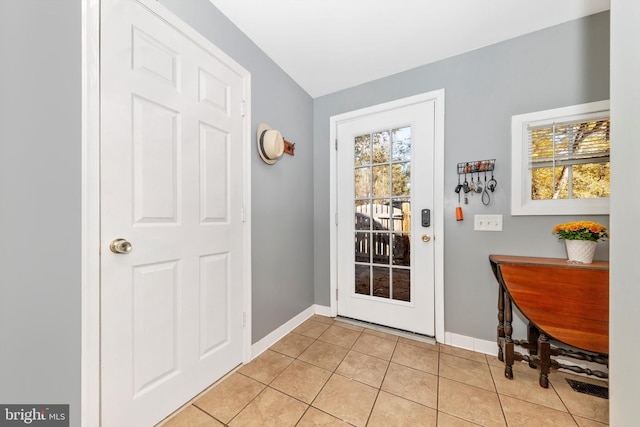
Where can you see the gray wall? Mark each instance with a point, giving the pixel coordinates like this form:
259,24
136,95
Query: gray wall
282,195
40,121
563,65
624,345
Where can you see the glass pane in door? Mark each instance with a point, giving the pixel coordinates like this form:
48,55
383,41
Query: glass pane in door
401,145
363,279
402,250
363,247
362,182
382,203
380,248
381,147
401,284
381,284
362,153
381,181
401,179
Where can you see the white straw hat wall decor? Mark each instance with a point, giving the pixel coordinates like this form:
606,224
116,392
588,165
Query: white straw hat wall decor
271,144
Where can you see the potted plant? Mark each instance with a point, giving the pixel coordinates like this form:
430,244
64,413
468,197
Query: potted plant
580,238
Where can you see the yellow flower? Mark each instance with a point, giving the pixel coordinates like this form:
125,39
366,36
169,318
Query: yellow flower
581,230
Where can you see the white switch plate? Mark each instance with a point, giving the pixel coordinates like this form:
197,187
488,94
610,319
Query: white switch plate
487,222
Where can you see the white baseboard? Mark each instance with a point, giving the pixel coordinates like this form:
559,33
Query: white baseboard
278,334
322,310
470,343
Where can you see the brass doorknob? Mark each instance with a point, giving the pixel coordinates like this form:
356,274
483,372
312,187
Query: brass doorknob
426,238
120,246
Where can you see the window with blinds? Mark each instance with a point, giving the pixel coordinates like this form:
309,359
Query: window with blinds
560,161
569,160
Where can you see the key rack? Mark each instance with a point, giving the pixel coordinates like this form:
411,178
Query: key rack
476,166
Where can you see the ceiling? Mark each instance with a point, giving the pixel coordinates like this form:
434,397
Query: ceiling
330,45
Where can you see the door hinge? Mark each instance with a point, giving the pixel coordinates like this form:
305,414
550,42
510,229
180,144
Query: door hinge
336,294
336,218
244,215
244,319
336,144
243,108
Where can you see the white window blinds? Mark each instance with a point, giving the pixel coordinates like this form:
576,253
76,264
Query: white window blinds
569,143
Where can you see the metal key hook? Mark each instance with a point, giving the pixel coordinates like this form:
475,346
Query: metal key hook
486,198
492,183
478,188
458,187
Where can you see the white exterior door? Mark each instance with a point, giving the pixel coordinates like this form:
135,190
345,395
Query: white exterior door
385,178
172,186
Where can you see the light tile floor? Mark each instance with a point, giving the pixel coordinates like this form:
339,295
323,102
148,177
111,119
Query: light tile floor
330,373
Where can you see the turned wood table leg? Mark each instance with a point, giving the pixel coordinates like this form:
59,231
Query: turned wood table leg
508,341
532,337
544,352
500,322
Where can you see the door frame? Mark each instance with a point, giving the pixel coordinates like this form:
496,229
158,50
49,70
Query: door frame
438,195
90,405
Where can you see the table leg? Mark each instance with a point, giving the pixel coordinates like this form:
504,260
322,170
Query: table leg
544,352
532,338
500,322
508,341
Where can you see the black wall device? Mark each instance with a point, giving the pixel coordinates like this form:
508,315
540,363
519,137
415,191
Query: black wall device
426,217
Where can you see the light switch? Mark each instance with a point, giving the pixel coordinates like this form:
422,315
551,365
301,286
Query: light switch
487,222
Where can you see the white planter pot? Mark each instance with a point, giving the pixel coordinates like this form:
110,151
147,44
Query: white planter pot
580,251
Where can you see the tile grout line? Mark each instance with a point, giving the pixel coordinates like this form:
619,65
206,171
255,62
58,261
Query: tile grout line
495,386
438,388
250,401
332,374
208,414
297,358
395,346
561,399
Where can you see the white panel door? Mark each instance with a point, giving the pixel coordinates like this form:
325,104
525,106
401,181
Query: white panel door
385,167
171,185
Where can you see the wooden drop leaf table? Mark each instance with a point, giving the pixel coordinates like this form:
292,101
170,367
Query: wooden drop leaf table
562,301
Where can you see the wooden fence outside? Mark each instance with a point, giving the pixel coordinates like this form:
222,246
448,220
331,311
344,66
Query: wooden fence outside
383,232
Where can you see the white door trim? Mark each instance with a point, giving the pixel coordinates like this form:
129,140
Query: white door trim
90,240
90,205
438,208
